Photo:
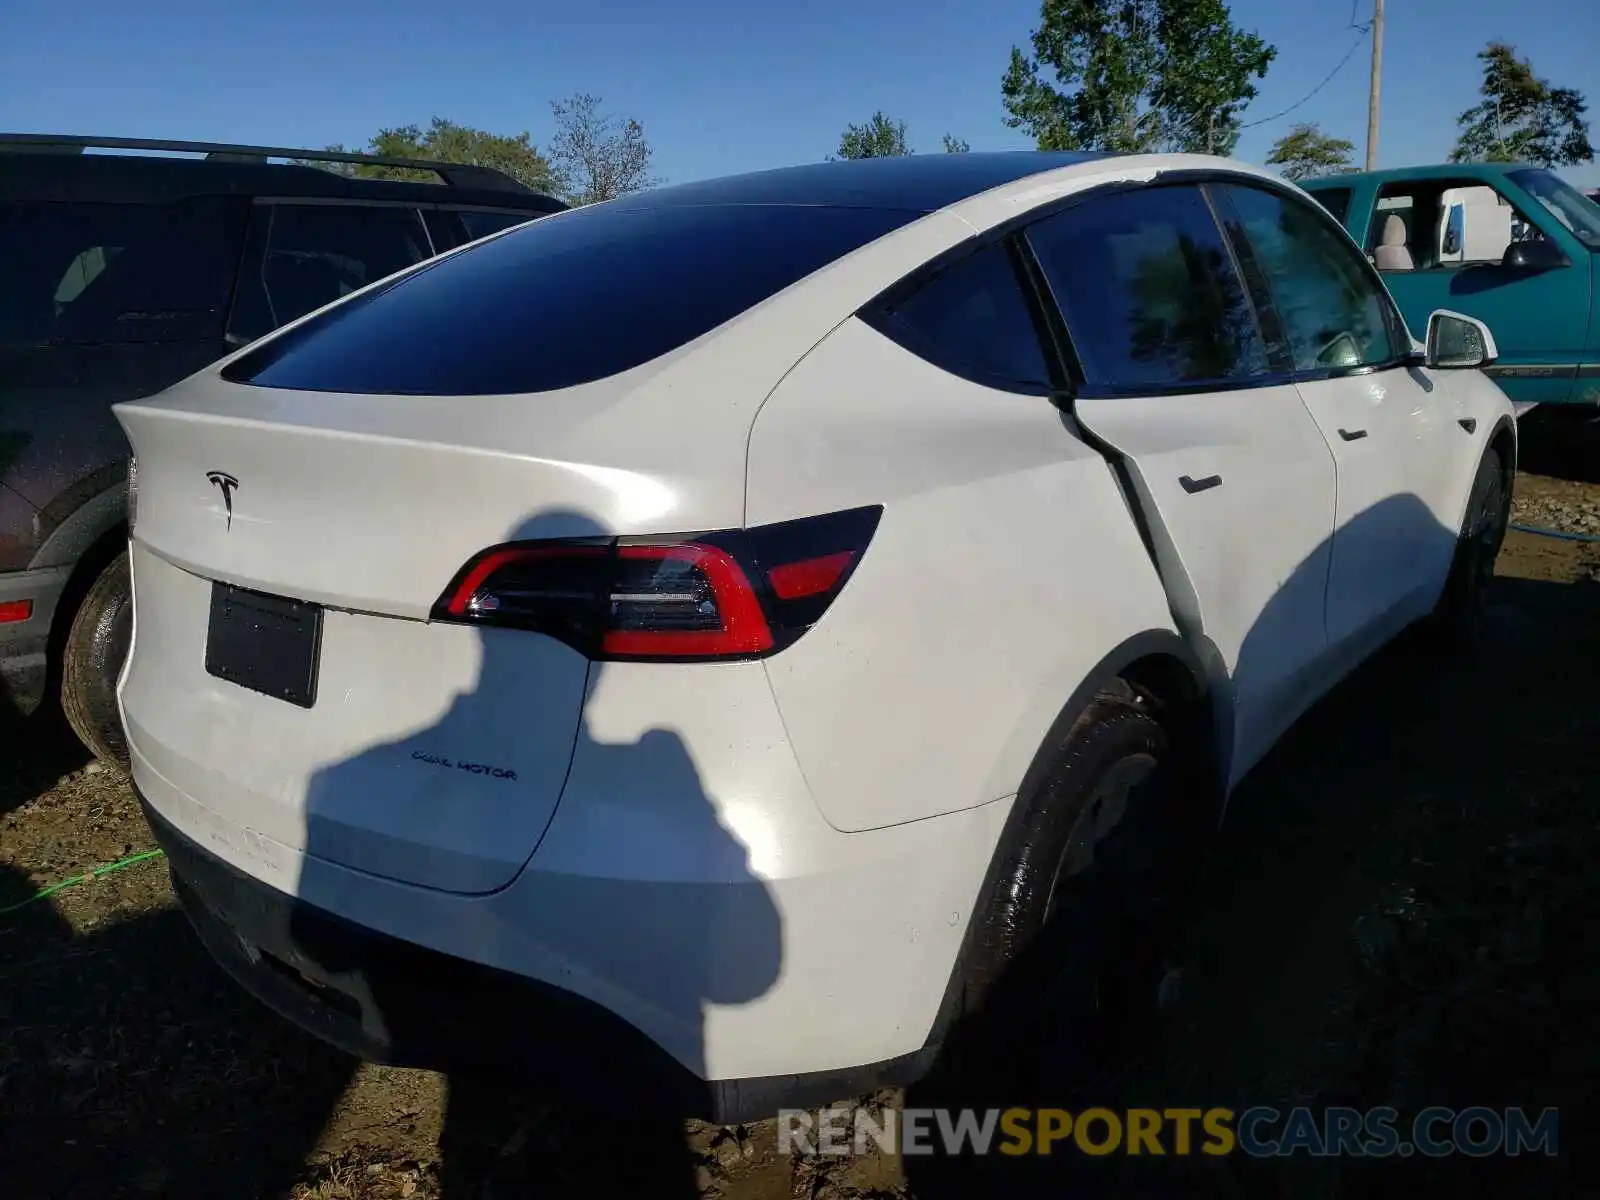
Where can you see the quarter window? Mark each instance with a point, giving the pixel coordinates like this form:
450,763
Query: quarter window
973,318
311,254
1149,291
1334,313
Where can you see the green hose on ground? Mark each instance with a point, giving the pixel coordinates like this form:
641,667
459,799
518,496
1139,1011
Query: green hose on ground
1554,533
94,874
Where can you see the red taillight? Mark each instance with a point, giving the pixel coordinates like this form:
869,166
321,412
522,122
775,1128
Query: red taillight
741,625
729,595
13,611
809,576
479,571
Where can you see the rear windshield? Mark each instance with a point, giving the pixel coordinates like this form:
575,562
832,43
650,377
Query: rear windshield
569,299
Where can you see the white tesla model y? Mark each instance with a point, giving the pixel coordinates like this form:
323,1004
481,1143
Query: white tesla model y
709,637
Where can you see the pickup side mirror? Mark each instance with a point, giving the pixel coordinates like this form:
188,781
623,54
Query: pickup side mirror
1457,341
1535,254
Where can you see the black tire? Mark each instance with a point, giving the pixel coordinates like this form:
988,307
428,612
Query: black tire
1457,622
96,646
1067,951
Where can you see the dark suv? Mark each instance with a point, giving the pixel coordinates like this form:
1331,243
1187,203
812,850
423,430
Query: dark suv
122,273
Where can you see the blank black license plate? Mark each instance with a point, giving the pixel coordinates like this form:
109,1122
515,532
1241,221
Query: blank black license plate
269,644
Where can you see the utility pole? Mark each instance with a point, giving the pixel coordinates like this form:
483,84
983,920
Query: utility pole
1377,80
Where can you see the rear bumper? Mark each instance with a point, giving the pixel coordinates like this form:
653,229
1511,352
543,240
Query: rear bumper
388,1000
25,645
629,963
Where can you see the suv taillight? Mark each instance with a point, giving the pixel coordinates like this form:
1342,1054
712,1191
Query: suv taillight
741,593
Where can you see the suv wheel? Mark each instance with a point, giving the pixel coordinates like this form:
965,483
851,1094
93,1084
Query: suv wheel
1068,951
1458,619
97,645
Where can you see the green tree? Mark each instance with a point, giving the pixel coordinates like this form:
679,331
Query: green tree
878,138
1134,75
446,141
955,145
1306,152
598,155
1522,118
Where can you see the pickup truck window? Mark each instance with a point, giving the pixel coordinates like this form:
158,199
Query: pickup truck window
1566,203
1335,200
1149,292
1334,314
1434,224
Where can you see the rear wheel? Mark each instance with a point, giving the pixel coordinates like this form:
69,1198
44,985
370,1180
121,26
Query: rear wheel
1458,618
1069,950
96,646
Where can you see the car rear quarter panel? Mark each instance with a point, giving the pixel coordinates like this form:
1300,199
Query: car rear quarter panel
1005,567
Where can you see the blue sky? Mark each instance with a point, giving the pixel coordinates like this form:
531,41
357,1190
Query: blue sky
720,87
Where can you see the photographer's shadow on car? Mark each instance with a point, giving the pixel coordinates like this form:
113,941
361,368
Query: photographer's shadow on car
523,887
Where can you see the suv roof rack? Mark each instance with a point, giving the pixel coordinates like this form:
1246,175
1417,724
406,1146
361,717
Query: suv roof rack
458,175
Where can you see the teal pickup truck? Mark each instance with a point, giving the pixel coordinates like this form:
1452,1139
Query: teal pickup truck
1514,246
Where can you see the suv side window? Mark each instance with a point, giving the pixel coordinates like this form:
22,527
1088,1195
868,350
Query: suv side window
444,229
1335,314
973,318
303,256
483,222
82,273
1150,292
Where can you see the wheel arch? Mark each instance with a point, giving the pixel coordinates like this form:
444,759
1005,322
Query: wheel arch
1503,441
1156,667
87,540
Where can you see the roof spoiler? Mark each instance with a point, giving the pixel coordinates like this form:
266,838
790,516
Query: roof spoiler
457,175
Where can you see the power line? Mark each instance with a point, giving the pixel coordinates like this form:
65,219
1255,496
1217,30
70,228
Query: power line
1354,46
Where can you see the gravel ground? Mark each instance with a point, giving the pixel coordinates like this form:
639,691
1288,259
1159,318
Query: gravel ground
1402,909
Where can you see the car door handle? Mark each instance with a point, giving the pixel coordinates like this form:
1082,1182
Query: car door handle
1352,435
1470,424
1193,485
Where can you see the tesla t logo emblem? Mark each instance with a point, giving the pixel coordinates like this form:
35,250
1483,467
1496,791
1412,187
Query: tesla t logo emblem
228,485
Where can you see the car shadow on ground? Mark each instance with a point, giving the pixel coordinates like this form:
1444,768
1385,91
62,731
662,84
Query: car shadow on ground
1416,779
129,1065
35,751
1560,441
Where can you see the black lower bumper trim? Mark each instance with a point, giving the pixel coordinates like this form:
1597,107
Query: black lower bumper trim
391,1001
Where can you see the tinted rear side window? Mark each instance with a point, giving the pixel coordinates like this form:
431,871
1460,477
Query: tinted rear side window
973,318
569,299
91,273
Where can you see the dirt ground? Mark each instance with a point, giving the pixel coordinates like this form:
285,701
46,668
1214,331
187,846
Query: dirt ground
1402,909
